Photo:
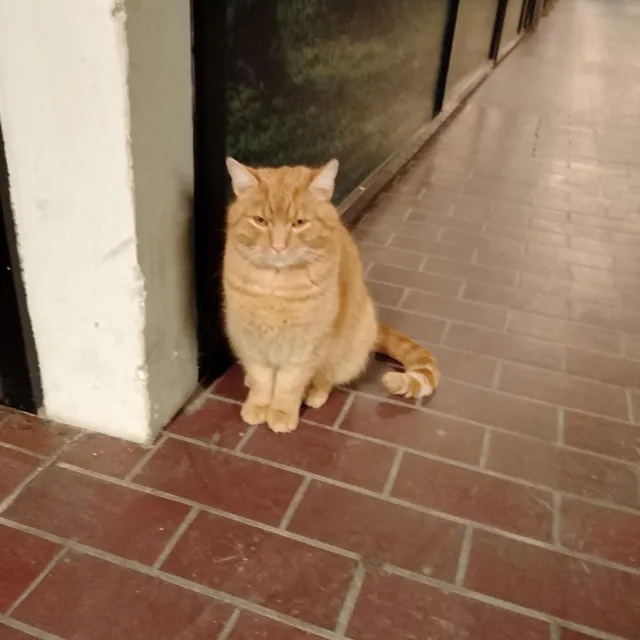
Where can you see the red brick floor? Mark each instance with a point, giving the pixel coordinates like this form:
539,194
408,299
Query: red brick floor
505,508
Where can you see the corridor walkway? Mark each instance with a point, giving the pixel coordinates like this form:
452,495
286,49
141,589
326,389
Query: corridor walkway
505,508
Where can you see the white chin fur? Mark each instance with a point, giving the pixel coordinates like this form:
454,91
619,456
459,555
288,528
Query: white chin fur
267,258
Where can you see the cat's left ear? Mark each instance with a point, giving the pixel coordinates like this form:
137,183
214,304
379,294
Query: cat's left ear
241,177
325,181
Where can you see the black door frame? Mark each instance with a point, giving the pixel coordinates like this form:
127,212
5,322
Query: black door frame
496,38
209,59
448,35
19,373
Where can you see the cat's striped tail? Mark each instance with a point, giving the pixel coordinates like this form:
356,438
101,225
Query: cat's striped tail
421,375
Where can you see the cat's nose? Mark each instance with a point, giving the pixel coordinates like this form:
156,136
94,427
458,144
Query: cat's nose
278,247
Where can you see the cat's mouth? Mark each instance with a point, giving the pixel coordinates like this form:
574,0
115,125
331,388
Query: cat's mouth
268,258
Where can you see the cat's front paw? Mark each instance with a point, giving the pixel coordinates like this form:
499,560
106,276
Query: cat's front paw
282,421
316,397
253,414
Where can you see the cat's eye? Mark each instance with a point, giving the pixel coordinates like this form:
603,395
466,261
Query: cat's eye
300,222
260,221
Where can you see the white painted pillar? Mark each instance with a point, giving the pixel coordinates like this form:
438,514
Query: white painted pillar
95,105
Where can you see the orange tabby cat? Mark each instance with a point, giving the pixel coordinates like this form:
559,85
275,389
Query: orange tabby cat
298,313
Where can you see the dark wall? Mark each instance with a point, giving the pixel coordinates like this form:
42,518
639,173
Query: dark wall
312,79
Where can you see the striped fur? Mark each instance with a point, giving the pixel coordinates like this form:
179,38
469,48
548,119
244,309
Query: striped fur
421,376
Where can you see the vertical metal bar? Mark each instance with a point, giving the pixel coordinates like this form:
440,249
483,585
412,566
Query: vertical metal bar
445,54
523,14
501,11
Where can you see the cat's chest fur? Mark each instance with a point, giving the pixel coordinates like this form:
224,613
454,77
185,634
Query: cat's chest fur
278,314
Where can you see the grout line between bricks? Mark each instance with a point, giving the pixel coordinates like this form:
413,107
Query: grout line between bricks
631,417
250,430
231,623
28,629
560,438
329,547
344,617
495,383
146,457
46,463
295,503
445,332
463,560
556,524
175,538
348,403
484,452
33,454
405,294
39,578
508,319
393,473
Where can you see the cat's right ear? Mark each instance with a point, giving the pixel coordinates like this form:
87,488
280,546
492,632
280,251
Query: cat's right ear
241,177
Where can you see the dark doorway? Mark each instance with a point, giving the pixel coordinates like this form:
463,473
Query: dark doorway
210,196
19,384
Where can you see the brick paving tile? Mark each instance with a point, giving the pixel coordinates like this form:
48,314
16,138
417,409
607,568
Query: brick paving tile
28,432
456,310
15,467
475,496
221,480
388,295
571,589
214,421
78,507
265,568
605,368
465,366
564,469
394,608
537,303
504,345
600,531
22,558
84,597
102,454
635,406
8,633
569,333
561,388
424,431
434,283
380,531
495,409
253,627
327,453
601,435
